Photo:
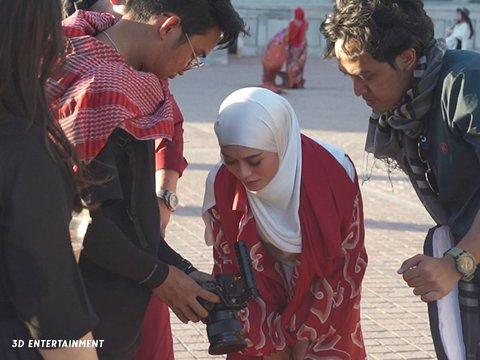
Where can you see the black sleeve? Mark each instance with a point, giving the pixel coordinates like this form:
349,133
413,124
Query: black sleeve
167,254
108,247
38,269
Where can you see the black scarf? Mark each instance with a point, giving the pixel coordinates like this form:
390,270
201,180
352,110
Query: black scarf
395,134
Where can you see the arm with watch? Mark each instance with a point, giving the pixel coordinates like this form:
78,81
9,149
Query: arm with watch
433,278
166,184
169,166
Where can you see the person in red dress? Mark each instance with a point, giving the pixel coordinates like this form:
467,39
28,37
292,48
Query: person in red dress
297,49
287,47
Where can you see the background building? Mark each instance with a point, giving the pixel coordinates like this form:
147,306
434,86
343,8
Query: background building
266,17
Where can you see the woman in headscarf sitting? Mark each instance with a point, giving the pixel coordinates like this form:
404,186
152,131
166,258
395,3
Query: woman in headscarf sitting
297,204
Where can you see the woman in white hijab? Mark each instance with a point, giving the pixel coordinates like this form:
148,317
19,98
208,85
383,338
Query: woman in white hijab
298,207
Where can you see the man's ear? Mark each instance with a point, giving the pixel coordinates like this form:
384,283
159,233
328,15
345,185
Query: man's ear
407,60
168,23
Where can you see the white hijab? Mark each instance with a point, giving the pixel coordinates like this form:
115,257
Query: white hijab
260,119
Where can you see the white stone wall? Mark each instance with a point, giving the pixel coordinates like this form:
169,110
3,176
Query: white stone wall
266,17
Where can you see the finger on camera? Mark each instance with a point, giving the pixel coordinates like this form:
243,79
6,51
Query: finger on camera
200,311
180,316
191,314
209,296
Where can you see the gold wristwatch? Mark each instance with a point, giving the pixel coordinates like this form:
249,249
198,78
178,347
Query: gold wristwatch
464,261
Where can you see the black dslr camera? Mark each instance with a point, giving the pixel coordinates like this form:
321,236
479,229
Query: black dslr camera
223,326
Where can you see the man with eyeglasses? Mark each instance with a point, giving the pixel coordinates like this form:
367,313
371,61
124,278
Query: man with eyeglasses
426,118
112,100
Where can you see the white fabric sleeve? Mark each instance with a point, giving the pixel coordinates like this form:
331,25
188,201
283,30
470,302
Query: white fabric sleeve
209,202
339,154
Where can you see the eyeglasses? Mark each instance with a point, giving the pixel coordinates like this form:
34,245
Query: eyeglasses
196,62
429,175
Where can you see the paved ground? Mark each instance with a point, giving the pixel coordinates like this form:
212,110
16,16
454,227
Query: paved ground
395,322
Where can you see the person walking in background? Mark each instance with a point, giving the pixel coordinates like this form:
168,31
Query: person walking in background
288,46
297,204
112,99
42,294
460,35
297,50
425,119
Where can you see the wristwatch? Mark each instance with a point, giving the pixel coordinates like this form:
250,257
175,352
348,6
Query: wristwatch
169,198
464,261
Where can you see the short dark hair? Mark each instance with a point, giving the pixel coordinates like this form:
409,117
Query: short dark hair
381,28
198,16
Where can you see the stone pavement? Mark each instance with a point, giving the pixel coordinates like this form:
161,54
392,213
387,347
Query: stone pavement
395,323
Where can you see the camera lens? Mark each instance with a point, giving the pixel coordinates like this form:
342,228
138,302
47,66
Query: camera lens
223,333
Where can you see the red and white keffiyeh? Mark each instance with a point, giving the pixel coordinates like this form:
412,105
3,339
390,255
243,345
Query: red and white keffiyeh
96,91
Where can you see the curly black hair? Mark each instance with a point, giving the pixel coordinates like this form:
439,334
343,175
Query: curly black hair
381,28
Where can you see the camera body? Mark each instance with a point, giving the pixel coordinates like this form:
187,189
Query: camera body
223,325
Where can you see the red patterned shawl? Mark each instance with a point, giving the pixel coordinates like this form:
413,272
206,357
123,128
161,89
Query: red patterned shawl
322,302
96,91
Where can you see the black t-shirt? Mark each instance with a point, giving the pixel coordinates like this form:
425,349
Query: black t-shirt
124,256
42,295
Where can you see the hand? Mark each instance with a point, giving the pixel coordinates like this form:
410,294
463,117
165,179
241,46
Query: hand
179,291
431,278
164,217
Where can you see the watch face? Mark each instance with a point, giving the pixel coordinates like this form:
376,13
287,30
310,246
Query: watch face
466,264
173,201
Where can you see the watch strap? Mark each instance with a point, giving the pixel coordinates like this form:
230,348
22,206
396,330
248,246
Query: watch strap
186,266
454,252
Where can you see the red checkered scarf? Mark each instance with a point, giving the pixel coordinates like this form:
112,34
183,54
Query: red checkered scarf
97,91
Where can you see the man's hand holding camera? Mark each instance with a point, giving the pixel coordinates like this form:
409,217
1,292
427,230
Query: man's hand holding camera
180,292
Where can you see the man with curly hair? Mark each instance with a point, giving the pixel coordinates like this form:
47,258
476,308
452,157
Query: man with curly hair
425,117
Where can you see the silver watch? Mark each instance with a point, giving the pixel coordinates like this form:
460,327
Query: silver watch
169,198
